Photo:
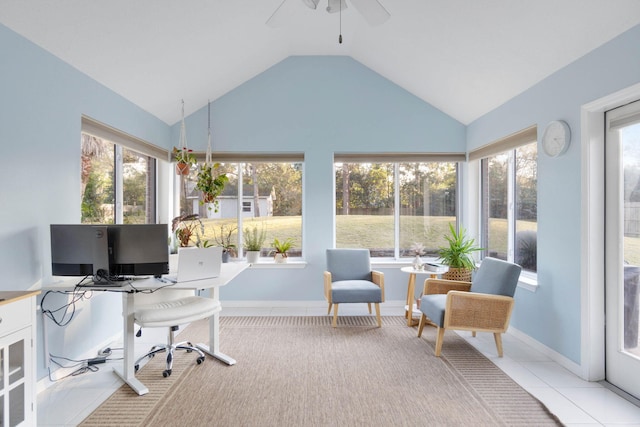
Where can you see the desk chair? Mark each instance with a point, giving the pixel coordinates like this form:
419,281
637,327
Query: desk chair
483,305
349,279
169,308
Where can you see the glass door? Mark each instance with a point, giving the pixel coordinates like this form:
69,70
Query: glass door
622,237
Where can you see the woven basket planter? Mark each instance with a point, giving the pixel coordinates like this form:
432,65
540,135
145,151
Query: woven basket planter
462,274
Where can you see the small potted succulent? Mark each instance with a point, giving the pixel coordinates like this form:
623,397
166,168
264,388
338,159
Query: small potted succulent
280,249
185,158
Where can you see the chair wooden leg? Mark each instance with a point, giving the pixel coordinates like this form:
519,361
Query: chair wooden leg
378,318
498,339
335,315
329,311
423,320
369,306
439,339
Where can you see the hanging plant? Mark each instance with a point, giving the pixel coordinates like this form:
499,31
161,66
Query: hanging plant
210,184
183,156
185,159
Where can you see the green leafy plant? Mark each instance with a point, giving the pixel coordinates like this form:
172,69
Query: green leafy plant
458,253
210,184
254,238
224,239
185,228
184,155
282,247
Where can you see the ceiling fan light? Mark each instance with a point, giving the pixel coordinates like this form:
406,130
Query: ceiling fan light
311,4
336,5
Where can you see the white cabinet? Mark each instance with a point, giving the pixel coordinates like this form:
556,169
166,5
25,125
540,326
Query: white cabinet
17,359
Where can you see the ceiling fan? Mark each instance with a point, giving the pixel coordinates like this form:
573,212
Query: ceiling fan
371,10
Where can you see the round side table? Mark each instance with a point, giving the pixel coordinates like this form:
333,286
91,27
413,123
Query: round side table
411,308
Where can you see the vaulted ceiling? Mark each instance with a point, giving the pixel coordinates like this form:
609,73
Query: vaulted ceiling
464,57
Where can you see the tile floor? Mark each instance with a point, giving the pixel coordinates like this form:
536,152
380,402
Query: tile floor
574,401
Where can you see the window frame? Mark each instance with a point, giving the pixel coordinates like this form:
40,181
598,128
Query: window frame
507,145
238,160
121,141
396,159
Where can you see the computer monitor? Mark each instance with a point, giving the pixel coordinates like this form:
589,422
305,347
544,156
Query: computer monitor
79,250
138,250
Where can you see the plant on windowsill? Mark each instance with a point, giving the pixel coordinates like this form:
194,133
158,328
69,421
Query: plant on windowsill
210,184
458,255
185,228
224,240
253,242
185,159
280,249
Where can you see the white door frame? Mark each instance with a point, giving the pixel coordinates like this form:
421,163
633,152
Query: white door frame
592,347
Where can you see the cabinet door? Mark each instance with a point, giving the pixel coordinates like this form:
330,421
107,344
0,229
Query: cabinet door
15,379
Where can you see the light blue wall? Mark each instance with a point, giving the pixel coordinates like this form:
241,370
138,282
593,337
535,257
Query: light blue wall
41,103
318,106
552,314
315,105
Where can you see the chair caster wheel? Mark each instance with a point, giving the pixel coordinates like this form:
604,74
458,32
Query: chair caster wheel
166,373
200,359
136,368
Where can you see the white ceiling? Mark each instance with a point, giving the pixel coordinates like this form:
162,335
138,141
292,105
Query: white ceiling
465,57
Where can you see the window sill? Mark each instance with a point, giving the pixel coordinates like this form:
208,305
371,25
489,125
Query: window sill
528,281
266,263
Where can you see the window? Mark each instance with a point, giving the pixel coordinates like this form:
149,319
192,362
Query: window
262,191
388,207
118,183
509,218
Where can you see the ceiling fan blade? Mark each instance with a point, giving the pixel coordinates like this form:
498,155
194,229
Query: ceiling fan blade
334,6
372,11
311,4
277,18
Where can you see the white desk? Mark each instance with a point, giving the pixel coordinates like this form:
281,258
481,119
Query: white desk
227,273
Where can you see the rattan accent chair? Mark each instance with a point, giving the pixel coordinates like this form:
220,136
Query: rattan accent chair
483,305
349,279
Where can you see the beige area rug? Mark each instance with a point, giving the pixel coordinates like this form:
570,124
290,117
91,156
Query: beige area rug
299,371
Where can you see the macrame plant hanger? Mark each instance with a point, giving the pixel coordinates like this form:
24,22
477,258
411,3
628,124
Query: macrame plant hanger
182,142
207,157
183,132
183,166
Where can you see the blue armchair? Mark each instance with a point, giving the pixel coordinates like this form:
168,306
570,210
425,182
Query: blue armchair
483,305
349,279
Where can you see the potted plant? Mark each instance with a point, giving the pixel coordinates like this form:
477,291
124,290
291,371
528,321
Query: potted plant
253,241
210,185
458,255
224,240
184,158
280,249
185,227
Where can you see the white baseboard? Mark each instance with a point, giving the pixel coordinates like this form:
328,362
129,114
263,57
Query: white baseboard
552,354
292,304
